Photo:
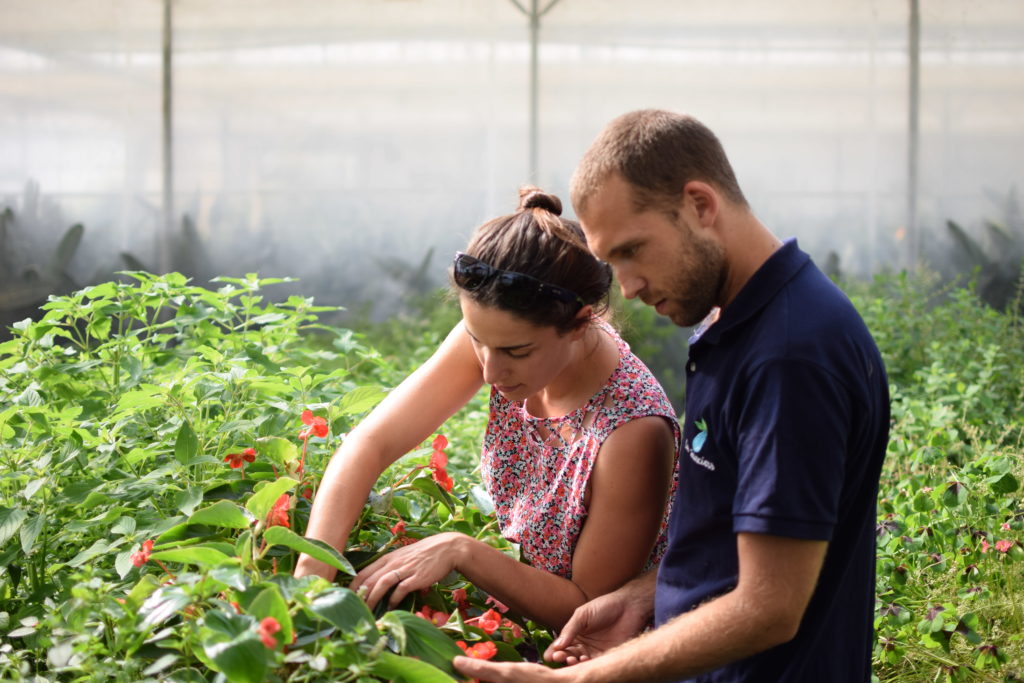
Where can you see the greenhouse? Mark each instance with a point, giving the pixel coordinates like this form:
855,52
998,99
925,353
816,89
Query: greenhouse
226,241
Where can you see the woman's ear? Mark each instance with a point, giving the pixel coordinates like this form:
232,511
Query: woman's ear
581,322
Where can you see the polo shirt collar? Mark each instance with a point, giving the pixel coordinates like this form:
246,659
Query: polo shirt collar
759,290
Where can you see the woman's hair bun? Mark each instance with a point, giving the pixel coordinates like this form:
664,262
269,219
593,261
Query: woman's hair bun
531,197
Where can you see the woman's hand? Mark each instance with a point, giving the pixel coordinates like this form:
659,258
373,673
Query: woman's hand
414,567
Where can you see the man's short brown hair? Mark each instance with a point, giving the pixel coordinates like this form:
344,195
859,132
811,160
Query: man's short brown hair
657,152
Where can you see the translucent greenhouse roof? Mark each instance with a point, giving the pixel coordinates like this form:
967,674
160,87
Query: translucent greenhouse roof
381,129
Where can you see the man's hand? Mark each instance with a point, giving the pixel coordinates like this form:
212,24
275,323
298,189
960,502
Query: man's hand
508,672
604,623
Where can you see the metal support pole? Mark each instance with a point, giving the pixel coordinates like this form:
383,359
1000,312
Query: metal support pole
913,130
166,237
534,14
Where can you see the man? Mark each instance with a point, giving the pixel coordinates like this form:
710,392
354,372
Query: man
769,574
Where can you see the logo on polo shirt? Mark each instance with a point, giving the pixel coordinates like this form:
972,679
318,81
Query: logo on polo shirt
695,446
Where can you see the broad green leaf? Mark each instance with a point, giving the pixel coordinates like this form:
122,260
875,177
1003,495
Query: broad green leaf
361,399
10,522
344,609
203,556
145,397
98,547
186,446
1006,483
279,535
187,500
280,451
391,667
261,501
424,640
242,659
955,495
32,487
270,603
224,514
923,502
30,532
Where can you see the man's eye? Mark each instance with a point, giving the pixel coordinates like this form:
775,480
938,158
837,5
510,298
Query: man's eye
518,354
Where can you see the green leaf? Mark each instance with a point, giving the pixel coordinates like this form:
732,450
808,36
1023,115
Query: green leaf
10,522
1005,483
146,396
223,514
242,659
270,603
361,399
923,502
391,667
261,501
424,640
204,556
279,450
317,549
186,446
955,495
30,532
344,609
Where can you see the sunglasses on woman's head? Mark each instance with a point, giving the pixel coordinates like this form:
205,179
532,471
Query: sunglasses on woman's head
516,290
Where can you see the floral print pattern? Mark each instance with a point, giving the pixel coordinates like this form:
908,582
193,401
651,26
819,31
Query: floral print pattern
538,484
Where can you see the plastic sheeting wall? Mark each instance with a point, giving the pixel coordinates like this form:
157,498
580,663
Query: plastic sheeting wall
337,140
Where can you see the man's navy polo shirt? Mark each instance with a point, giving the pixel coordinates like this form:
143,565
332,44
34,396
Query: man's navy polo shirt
786,426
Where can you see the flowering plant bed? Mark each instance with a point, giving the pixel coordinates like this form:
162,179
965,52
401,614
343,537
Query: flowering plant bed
161,444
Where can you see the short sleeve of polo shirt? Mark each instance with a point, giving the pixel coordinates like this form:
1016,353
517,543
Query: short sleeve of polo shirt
791,448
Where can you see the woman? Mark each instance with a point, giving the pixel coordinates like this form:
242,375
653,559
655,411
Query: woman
581,444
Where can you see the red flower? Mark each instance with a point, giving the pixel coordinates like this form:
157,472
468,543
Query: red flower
1004,545
438,460
443,480
435,617
278,515
142,557
489,621
267,628
439,443
460,598
237,460
314,425
482,650
307,493
399,528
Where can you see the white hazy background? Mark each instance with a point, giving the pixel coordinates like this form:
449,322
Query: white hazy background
329,139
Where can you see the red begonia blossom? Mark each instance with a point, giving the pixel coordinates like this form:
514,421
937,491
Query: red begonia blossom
435,617
266,630
1004,545
439,443
399,528
278,515
142,557
315,425
482,650
238,460
489,621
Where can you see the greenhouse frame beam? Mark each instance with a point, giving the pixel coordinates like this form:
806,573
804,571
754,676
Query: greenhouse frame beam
534,14
167,132
913,127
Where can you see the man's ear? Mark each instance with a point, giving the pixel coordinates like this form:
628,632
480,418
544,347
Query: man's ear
704,200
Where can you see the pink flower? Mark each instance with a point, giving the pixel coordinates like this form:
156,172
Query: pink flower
315,425
496,604
513,628
984,546
142,557
435,617
482,650
460,598
1005,526
1004,545
278,515
267,628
